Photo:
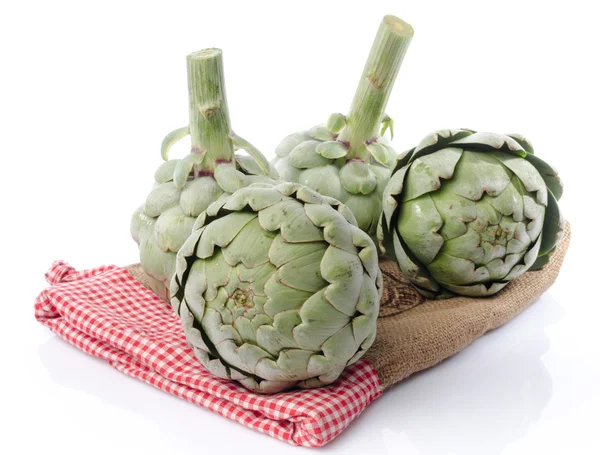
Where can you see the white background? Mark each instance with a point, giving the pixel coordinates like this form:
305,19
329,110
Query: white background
87,92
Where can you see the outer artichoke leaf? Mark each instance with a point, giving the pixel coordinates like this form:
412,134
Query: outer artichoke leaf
321,366
341,346
248,164
285,322
290,218
358,178
456,211
554,226
172,229
294,362
528,260
304,155
390,193
290,142
320,320
418,224
523,142
282,252
541,261
141,225
500,268
366,209
222,231
344,272
325,180
229,178
161,198
368,300
245,357
198,195
477,173
258,198
250,246
527,173
303,273
336,230
256,276
164,173
411,268
282,298
467,246
331,150
272,341
286,170
321,133
488,142
455,270
367,251
549,174
363,326
157,263
510,201
425,172
477,290
195,287
218,273
436,141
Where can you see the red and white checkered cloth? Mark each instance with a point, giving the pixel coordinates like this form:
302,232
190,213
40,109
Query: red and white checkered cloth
107,313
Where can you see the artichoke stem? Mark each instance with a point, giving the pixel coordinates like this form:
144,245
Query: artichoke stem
368,106
210,127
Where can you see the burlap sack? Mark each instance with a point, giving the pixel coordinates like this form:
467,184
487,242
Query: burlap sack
414,333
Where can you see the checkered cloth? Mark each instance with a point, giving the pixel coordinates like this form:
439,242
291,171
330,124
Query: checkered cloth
107,313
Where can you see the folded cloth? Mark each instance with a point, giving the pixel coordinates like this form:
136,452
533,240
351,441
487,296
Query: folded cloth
110,312
107,313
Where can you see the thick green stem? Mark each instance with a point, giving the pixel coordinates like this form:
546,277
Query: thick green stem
209,116
376,83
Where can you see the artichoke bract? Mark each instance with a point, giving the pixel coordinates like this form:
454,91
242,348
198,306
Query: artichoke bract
277,287
466,212
186,187
348,158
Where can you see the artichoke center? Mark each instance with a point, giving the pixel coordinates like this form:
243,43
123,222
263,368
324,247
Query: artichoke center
242,300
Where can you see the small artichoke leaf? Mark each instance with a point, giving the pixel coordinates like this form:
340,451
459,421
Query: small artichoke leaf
379,152
527,173
305,156
418,224
171,139
290,219
172,229
221,232
336,122
358,178
290,142
198,195
165,171
229,178
332,150
325,180
344,272
438,140
411,267
260,160
161,198
386,124
321,133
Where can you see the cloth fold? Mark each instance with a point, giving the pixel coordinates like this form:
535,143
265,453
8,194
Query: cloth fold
107,313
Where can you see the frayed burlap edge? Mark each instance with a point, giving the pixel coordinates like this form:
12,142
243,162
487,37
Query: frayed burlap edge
414,333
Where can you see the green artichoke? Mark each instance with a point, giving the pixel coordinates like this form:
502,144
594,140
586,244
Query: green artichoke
277,288
186,187
466,212
348,159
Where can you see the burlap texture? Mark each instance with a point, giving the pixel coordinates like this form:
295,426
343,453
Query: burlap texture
433,330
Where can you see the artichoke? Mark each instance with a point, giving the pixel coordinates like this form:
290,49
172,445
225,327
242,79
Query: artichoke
348,159
186,187
277,288
466,212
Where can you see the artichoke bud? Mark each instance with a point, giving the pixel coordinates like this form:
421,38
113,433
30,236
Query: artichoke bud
387,123
277,288
465,213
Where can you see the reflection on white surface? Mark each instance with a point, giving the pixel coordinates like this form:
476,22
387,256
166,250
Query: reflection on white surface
477,402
